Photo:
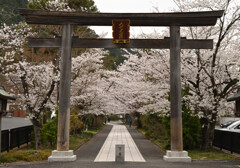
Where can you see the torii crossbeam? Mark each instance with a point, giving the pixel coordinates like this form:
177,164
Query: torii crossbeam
175,43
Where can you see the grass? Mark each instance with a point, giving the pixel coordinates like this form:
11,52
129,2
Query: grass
196,154
77,140
25,154
212,154
29,154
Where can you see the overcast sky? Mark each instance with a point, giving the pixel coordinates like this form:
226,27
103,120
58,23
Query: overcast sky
130,6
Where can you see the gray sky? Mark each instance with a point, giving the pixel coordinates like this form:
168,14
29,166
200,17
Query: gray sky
130,6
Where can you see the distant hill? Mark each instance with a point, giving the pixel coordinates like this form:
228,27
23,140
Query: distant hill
9,11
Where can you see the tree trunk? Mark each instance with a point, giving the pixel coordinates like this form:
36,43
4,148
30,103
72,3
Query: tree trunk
37,133
37,136
208,132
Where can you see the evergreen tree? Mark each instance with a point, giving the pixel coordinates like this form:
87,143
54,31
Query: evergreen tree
9,11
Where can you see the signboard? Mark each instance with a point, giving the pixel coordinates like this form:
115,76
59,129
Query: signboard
121,29
120,153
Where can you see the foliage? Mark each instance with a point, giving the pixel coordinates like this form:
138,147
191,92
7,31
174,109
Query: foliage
152,123
76,125
34,81
98,122
191,129
109,62
49,133
90,83
115,58
142,81
77,140
191,125
114,117
27,155
157,126
76,5
9,11
51,5
83,5
212,74
92,121
211,154
195,154
49,130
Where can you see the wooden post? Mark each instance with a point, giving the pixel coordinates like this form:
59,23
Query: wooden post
65,84
175,90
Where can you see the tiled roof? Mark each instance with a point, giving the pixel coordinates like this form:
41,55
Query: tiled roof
235,97
5,95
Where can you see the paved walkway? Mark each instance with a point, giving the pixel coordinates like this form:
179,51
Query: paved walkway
87,153
119,135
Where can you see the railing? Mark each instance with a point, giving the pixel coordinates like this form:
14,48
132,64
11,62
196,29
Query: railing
229,140
16,137
5,141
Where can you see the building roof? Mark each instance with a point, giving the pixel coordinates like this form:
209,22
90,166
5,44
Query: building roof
235,97
5,95
205,18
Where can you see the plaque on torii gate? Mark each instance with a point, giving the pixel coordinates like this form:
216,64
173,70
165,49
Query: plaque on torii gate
175,43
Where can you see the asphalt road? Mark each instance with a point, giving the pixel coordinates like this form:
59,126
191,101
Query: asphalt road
153,156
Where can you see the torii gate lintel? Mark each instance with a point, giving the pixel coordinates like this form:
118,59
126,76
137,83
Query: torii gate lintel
107,43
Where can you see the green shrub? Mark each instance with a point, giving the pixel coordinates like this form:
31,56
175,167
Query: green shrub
76,124
92,121
49,133
27,155
153,126
190,124
157,127
98,121
191,130
114,118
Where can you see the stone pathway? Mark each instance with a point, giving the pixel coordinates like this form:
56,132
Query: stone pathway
119,135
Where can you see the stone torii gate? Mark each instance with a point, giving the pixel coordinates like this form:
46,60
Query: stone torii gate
175,43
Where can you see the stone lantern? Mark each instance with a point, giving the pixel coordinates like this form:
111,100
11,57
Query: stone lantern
236,98
4,96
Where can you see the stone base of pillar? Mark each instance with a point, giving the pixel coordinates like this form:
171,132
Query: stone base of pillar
62,156
177,156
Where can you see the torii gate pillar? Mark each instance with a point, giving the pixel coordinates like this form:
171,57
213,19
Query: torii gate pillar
63,153
176,154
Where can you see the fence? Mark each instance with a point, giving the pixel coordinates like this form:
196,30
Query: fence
16,137
228,140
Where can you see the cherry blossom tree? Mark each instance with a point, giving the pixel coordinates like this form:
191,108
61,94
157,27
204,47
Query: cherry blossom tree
88,81
33,82
141,83
212,75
